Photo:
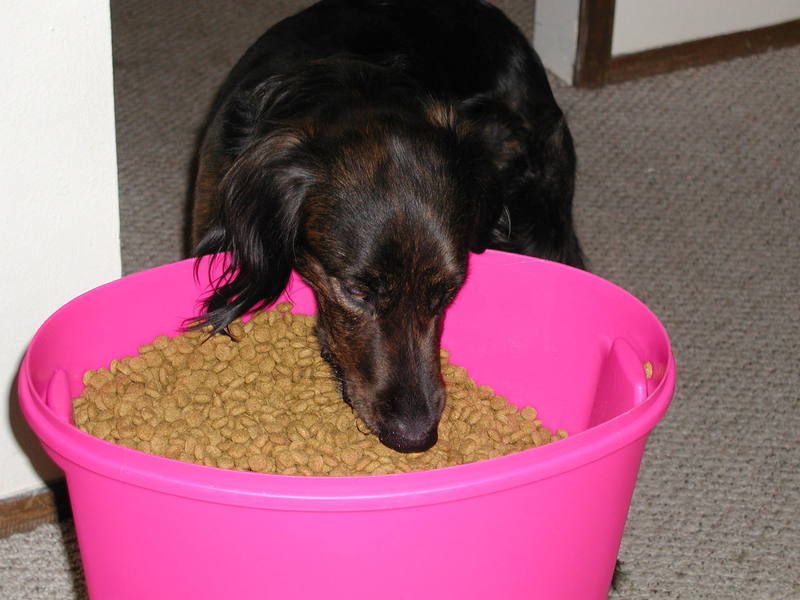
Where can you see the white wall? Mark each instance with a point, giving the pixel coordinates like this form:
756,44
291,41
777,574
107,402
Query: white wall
58,189
647,24
555,35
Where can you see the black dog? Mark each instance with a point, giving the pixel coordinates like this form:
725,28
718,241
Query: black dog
371,145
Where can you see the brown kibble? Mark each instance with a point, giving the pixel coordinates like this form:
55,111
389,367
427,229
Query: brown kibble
498,403
153,358
220,423
648,369
517,435
137,363
194,417
237,406
273,426
262,335
81,416
240,436
257,462
183,346
226,376
284,459
225,462
158,445
102,429
350,456
267,402
485,391
172,451
224,352
317,464
97,379
195,362
299,456
126,431
247,353
528,413
145,431
172,414
237,450
236,330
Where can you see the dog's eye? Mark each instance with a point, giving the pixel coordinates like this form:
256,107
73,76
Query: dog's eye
356,292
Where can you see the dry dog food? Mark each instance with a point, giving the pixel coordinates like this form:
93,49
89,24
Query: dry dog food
268,402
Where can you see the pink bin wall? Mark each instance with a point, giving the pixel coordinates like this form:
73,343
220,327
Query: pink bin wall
543,523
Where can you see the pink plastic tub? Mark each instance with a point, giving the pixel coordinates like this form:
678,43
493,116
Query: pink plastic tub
544,523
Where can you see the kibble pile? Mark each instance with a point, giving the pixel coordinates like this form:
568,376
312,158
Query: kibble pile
266,401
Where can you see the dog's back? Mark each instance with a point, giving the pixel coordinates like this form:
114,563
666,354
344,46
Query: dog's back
464,51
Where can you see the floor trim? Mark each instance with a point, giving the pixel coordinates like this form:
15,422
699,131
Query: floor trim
702,52
24,513
595,66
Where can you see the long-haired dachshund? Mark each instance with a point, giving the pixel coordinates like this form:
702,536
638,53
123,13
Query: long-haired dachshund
371,145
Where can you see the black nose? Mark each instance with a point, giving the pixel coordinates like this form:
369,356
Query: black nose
408,439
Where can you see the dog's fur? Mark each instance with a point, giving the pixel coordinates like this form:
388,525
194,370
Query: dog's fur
371,145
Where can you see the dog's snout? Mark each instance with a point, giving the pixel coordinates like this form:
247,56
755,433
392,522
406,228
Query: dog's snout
409,436
412,430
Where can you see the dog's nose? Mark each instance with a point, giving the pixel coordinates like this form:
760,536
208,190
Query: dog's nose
405,437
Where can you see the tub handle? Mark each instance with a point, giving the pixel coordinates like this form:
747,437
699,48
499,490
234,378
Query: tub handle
622,384
59,397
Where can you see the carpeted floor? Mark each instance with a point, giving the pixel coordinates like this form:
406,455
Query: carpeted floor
687,196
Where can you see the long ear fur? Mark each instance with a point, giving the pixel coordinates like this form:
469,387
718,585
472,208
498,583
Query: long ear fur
535,160
480,162
260,200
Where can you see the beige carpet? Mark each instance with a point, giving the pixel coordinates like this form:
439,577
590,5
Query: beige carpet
687,196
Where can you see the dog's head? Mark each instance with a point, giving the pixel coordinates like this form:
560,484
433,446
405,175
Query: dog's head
378,210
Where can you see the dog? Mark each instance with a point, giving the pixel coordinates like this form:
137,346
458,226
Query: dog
371,146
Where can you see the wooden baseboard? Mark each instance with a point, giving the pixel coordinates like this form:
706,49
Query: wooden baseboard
595,66
702,52
24,513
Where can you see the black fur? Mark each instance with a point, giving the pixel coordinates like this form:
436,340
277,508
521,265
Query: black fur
371,146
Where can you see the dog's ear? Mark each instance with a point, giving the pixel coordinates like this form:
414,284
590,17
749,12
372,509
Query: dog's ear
504,133
481,159
260,198
533,152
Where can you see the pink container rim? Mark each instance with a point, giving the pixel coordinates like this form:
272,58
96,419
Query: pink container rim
348,493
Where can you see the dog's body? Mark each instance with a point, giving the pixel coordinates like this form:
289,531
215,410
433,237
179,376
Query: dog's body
371,145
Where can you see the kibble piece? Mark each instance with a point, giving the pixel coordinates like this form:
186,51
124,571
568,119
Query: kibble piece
648,369
257,462
264,400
